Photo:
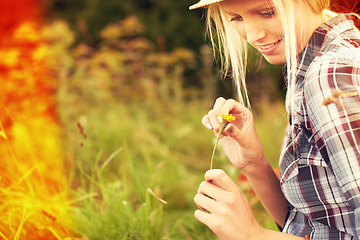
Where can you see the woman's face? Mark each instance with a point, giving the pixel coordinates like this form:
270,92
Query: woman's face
257,22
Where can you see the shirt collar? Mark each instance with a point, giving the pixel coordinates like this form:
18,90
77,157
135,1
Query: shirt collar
321,39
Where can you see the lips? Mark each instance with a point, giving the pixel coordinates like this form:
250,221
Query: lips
268,48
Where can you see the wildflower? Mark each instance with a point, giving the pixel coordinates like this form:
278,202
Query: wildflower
225,119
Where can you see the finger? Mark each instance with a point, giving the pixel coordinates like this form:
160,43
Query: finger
224,181
241,113
202,216
235,133
213,120
210,190
219,102
234,107
204,202
206,122
210,220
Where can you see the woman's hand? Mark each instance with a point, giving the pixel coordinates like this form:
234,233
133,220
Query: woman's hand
239,139
226,210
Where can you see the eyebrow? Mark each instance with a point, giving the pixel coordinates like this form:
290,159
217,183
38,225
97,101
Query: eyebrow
252,10
256,9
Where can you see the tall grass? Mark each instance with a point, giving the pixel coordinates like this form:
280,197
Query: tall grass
133,161
132,168
113,213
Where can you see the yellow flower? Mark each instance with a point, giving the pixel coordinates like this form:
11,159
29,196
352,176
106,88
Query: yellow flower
227,117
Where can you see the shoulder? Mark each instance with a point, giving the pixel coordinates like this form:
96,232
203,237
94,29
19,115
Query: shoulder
338,53
334,69
331,72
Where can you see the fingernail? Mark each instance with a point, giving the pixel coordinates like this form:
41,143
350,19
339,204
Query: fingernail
209,126
220,119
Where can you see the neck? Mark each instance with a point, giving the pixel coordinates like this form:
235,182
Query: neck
318,20
327,15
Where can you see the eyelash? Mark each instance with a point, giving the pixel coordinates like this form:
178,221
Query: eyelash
237,18
268,14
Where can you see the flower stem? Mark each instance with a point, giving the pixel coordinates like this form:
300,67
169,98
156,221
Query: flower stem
215,146
225,119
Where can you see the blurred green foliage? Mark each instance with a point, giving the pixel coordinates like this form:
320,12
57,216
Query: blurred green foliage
167,25
163,19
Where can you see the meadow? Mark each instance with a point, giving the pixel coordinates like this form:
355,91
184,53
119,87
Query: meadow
134,149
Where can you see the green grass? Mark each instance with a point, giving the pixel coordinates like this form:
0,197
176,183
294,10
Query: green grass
112,212
134,158
129,161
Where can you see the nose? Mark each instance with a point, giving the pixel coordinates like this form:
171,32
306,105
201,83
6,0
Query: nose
254,32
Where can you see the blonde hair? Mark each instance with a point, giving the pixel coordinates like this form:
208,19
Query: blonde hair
231,48
286,11
233,56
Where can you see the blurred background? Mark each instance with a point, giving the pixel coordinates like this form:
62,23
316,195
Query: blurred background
100,128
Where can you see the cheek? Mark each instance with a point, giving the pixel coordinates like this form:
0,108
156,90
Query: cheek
276,28
241,31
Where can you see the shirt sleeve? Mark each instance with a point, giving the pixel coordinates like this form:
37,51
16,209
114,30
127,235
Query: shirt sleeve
331,92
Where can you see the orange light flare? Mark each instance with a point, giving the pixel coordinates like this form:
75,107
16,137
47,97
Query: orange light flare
34,197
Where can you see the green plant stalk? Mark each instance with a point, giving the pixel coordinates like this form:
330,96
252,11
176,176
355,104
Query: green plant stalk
222,127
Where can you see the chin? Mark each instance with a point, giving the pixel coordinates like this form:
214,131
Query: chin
275,60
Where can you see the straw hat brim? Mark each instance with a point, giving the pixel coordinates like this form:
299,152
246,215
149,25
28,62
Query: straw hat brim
204,3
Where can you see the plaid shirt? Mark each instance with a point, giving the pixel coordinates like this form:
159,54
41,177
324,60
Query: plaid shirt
320,160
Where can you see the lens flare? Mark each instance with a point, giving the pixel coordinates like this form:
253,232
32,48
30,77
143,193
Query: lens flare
34,194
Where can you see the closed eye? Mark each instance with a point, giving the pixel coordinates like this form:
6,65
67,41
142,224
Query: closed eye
236,18
268,14
265,14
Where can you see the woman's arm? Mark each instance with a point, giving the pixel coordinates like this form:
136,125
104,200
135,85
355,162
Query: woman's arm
266,185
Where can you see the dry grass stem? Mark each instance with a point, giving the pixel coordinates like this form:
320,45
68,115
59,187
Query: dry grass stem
336,95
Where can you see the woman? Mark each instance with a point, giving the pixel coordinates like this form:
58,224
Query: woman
318,195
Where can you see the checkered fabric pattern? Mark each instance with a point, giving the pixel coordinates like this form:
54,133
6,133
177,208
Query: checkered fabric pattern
320,159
